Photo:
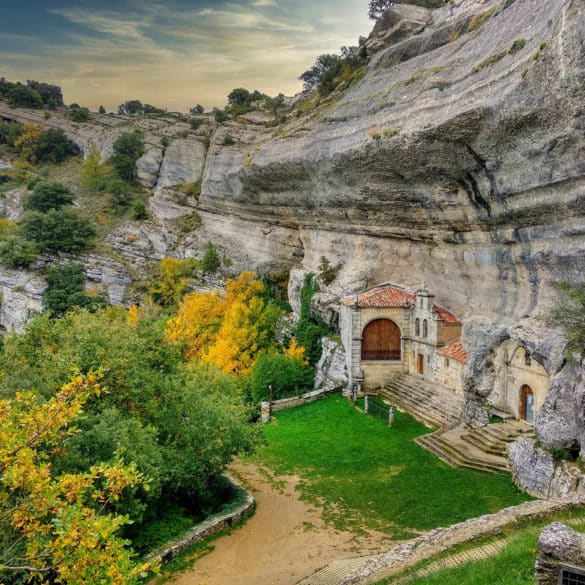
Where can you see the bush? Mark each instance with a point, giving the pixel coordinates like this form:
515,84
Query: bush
228,140
23,97
58,230
17,253
48,195
210,261
127,149
79,115
66,290
288,377
120,193
53,145
220,116
139,210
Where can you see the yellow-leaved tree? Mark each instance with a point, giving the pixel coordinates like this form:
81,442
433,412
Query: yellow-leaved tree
69,534
230,330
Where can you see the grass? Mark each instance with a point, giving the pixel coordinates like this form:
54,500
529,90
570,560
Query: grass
514,565
368,476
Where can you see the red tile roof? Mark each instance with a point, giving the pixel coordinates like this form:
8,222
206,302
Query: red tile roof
446,316
385,296
393,296
454,350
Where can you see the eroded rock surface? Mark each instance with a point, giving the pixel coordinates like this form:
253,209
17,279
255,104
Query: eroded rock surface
557,544
331,371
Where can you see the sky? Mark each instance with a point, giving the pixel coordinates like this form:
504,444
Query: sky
172,54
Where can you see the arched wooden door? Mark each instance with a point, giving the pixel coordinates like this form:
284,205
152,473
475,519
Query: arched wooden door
527,406
381,340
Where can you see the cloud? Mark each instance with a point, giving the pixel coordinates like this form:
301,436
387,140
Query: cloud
173,56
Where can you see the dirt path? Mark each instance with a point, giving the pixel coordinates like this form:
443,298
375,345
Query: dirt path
285,540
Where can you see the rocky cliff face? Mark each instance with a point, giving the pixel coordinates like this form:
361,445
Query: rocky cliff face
458,160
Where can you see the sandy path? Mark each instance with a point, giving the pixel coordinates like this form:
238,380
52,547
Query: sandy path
285,540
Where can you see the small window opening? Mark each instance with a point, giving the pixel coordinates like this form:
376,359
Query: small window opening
417,327
425,329
446,362
527,359
571,575
428,359
420,304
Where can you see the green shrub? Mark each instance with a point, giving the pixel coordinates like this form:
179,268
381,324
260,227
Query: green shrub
210,261
58,230
517,46
120,193
127,149
54,146
310,328
328,273
287,376
139,210
220,116
228,140
66,290
17,253
79,114
48,195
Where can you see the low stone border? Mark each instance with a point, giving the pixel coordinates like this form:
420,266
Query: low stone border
267,408
407,554
212,525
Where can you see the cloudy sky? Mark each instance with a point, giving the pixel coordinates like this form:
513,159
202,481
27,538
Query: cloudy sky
175,53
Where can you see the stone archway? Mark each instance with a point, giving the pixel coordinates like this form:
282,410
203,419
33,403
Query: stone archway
527,404
381,340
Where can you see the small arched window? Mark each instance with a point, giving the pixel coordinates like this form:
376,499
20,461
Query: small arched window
425,329
417,327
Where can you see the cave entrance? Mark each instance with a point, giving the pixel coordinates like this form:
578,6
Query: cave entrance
527,404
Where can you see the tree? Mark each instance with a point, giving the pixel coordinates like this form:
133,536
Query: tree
21,96
58,230
220,115
28,140
79,114
198,109
94,173
68,533
54,145
286,375
52,95
48,195
210,261
228,331
170,284
127,149
239,96
275,104
67,290
17,253
313,76
378,7
131,107
101,110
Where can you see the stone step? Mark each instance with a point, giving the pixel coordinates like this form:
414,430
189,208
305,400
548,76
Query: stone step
417,408
491,446
453,449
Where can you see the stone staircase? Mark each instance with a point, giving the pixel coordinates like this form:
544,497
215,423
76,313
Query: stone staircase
432,404
484,449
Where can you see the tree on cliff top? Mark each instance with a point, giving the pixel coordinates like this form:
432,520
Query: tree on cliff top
378,7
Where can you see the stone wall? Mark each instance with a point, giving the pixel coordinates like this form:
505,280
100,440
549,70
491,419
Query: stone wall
291,402
209,527
448,372
558,545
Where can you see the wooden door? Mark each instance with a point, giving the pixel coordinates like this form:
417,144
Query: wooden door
420,363
381,340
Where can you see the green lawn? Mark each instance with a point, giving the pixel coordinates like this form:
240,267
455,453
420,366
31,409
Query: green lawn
514,565
367,475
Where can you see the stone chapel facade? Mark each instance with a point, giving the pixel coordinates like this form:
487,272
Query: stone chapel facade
388,330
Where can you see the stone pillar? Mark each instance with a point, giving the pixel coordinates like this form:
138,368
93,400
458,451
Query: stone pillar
265,412
558,545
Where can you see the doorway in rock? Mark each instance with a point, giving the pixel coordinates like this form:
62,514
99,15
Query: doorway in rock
527,410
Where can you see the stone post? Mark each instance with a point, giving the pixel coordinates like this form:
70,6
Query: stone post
366,405
390,416
265,412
